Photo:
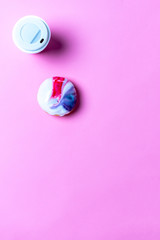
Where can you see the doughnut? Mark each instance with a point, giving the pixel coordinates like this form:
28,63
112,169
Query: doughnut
57,96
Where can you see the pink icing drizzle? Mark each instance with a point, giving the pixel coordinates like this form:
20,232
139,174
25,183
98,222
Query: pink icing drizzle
57,87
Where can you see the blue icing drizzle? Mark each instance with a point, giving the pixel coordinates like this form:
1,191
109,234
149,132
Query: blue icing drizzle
69,99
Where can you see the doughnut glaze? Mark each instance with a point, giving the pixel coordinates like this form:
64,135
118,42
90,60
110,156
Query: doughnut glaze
57,96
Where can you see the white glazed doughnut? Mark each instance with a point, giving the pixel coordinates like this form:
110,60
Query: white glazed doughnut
57,96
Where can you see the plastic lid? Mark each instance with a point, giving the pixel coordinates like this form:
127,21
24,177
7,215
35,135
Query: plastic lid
31,34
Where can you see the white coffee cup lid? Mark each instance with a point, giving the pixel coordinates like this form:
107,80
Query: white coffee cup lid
31,34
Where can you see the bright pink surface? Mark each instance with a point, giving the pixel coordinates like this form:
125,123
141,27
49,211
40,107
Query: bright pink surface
94,175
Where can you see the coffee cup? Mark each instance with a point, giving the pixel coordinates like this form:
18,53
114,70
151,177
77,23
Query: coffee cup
31,34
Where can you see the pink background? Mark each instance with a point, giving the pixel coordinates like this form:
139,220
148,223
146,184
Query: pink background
96,173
